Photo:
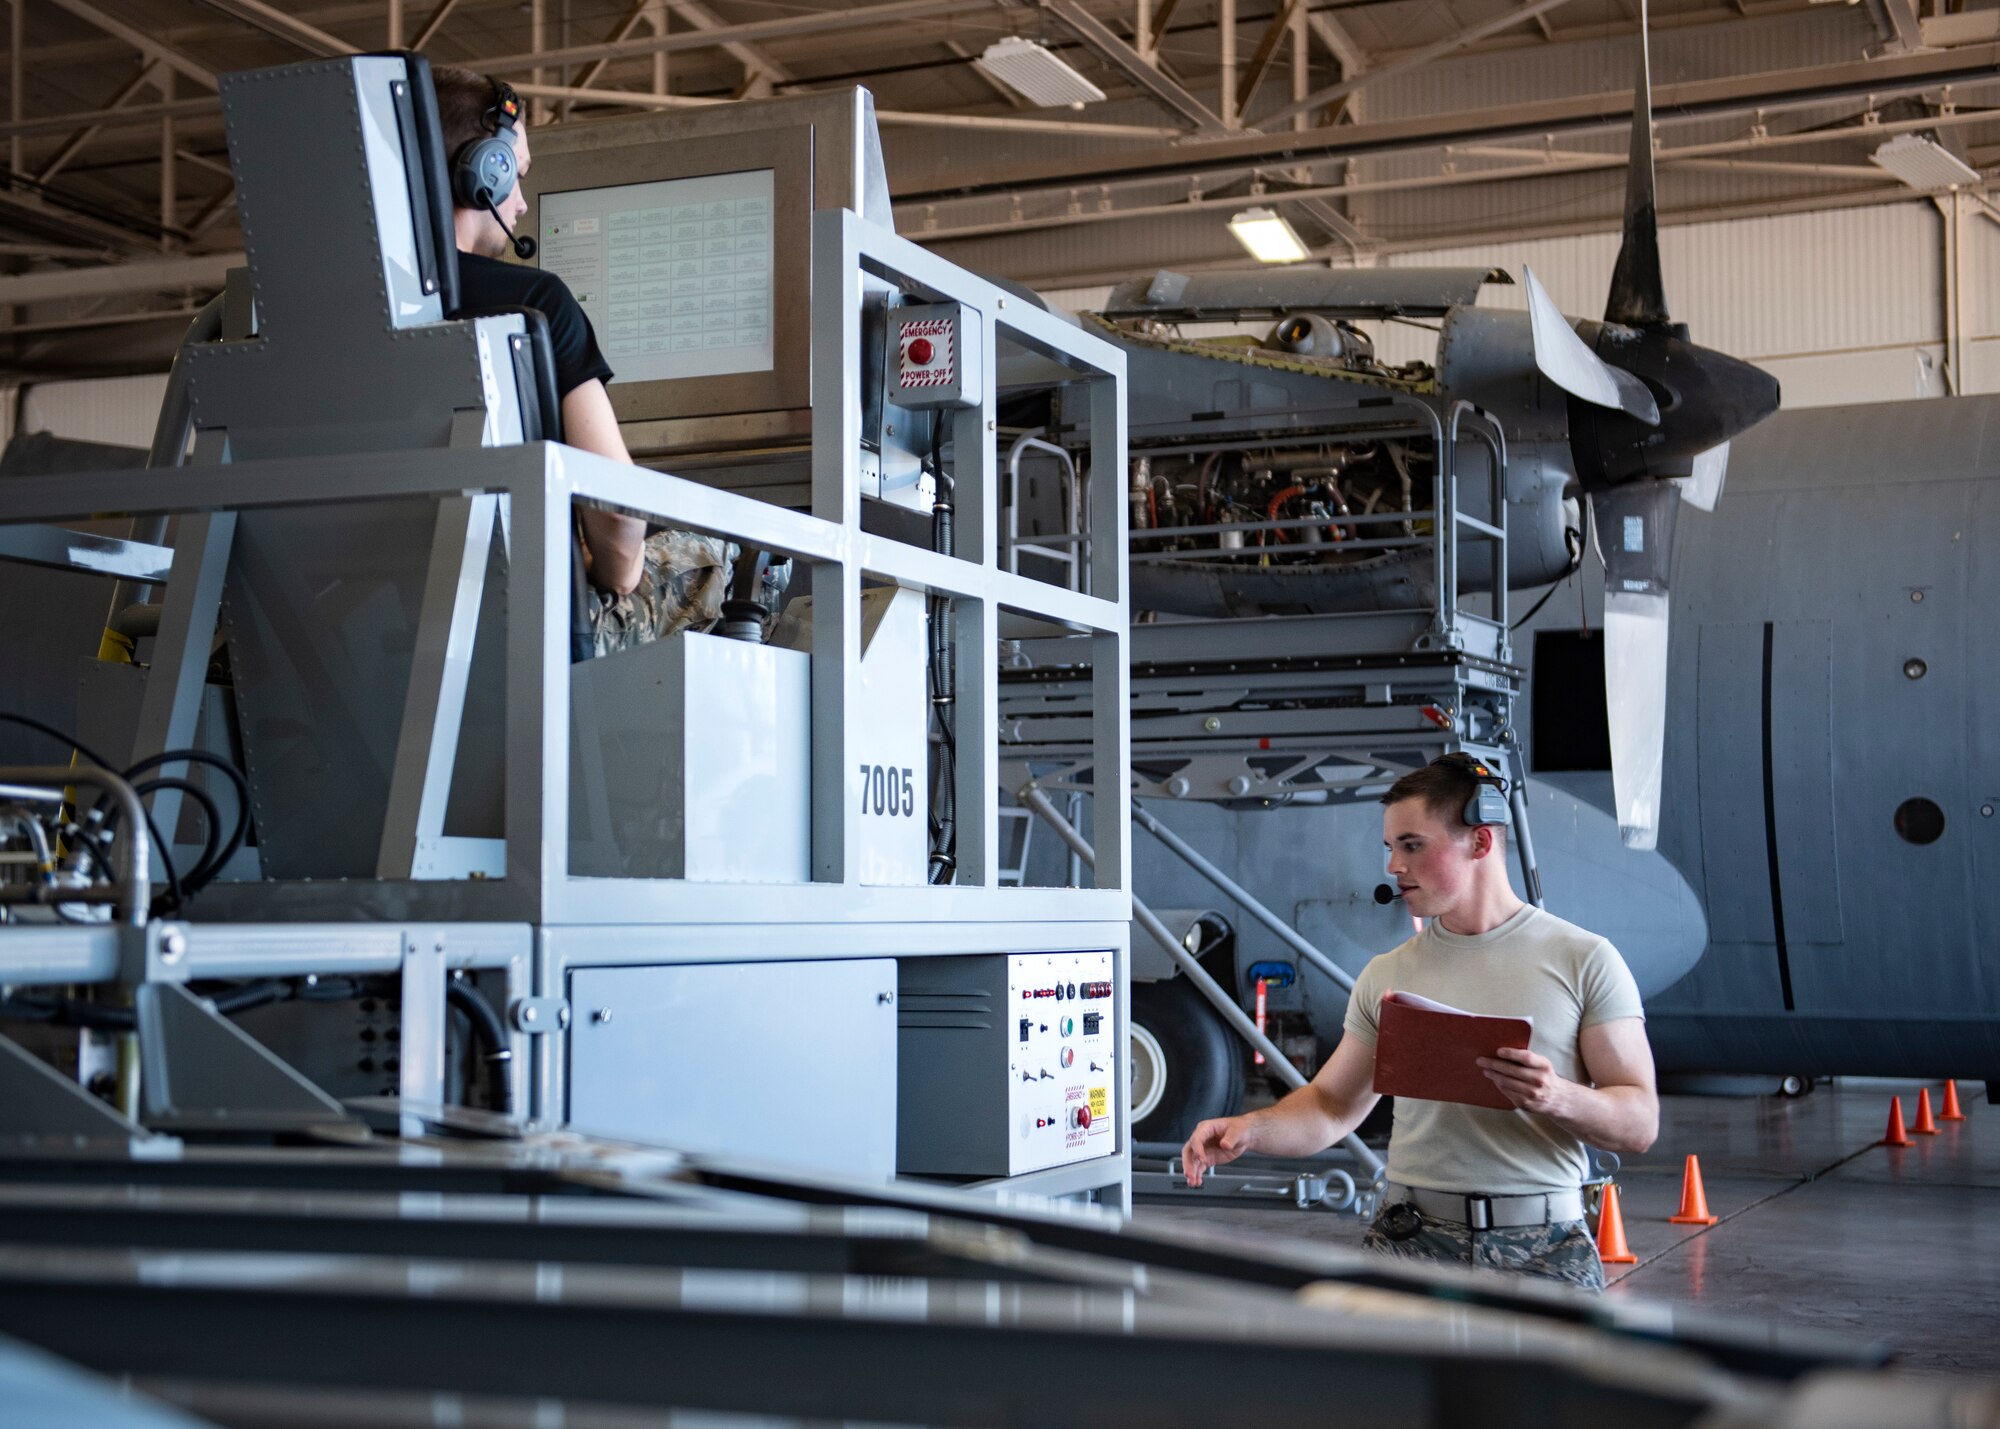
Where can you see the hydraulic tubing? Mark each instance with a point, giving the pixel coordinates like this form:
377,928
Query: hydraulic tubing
1277,925
487,1028
1191,969
135,885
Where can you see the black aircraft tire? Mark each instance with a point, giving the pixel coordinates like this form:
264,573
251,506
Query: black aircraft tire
1192,1051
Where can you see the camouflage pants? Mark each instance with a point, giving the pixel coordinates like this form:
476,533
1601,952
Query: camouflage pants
683,585
1560,1250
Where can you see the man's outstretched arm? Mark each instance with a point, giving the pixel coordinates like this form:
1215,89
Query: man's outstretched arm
1308,1120
1620,1113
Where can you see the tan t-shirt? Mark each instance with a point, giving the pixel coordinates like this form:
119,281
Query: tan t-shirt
1533,965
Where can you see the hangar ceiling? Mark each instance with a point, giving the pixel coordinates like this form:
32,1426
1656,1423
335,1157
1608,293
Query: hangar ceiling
1376,126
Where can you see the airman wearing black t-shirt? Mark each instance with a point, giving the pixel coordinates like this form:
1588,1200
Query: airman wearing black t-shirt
645,587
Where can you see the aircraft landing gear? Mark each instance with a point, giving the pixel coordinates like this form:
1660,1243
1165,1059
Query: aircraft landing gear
1185,1063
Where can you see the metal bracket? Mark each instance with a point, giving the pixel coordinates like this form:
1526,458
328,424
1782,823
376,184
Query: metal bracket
1368,1198
154,953
197,1069
538,1016
40,1104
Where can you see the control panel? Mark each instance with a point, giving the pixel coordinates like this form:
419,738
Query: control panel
1006,1063
1062,1067
933,355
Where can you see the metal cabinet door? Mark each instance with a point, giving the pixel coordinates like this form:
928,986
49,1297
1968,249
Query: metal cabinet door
791,1062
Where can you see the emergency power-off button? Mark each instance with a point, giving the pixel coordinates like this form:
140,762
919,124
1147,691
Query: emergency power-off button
1079,1118
921,352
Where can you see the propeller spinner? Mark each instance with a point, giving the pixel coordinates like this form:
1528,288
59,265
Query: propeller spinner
1651,417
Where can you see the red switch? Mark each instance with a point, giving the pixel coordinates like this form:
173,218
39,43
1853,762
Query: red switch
921,352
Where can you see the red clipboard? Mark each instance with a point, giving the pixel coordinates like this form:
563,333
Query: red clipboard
1429,1050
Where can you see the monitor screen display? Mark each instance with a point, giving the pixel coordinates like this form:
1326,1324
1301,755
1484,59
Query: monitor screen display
675,276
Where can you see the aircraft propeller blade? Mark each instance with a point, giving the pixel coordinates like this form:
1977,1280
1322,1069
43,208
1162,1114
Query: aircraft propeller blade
1634,525
1702,487
1635,695
1565,360
1638,294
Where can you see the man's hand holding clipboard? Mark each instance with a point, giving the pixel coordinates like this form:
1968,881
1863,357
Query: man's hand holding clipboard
1435,1052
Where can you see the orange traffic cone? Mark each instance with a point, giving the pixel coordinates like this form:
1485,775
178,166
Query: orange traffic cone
1924,1125
1611,1247
1951,1111
1896,1136
1694,1200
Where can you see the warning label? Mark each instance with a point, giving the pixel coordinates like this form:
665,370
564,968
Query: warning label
1100,1102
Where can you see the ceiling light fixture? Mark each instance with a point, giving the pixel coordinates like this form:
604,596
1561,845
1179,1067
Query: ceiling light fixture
1036,73
1924,164
1268,237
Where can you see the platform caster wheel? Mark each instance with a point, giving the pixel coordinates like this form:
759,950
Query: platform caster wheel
1794,1086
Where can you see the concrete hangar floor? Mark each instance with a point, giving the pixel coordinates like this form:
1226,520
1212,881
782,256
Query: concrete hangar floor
1820,1226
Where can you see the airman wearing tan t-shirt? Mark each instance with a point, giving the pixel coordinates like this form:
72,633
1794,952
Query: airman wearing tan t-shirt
1467,1184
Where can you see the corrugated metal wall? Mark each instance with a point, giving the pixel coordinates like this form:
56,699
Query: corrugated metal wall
1843,306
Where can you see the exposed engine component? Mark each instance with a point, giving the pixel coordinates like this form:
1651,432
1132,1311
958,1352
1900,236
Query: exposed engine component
1311,335
1298,507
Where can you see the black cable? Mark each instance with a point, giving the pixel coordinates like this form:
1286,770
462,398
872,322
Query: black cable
68,1012
941,676
488,1028
1573,539
211,833
212,863
255,994
237,835
160,844
7,717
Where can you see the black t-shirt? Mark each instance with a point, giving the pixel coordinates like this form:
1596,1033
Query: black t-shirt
487,283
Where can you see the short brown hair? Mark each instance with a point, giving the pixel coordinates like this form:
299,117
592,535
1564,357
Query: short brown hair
1444,788
466,102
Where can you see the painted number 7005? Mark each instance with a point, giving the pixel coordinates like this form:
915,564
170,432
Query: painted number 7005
888,791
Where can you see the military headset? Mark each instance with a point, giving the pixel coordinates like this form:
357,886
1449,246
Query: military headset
1487,808
482,171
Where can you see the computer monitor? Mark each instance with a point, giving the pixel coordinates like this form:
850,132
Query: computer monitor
690,253
675,275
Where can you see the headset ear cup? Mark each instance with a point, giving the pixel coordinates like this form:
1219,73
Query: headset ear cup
1488,808
483,164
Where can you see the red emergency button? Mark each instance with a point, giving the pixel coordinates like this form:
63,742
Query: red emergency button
921,351
1083,1116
